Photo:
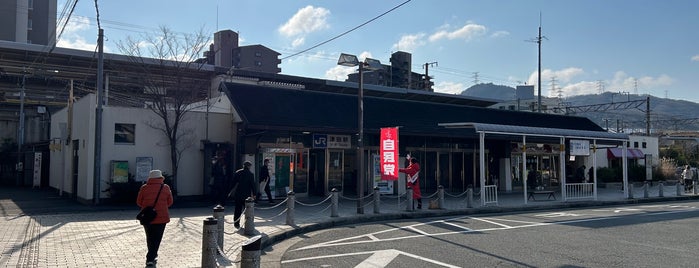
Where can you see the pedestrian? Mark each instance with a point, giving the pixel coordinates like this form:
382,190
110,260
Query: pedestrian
264,182
412,173
687,176
244,187
157,194
221,173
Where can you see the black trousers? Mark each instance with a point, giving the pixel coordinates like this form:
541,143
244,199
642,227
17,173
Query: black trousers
239,205
154,234
267,190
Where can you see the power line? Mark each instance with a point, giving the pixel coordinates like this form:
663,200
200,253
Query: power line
346,32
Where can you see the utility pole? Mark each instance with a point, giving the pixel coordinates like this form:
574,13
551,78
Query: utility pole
647,115
98,119
475,78
428,87
20,133
538,41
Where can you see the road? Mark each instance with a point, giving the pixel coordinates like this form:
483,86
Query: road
650,235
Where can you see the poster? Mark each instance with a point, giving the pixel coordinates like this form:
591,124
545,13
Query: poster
143,167
119,171
389,153
36,182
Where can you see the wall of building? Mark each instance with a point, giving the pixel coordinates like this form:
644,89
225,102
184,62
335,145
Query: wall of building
149,142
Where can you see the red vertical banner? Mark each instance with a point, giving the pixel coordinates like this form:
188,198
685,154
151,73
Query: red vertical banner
389,153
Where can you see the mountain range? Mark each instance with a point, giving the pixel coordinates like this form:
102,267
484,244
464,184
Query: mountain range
615,111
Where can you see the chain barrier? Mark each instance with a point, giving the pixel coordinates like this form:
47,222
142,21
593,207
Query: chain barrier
241,216
456,196
273,207
323,210
393,197
432,195
313,205
356,199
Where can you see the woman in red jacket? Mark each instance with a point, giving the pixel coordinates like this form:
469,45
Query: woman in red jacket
146,197
412,177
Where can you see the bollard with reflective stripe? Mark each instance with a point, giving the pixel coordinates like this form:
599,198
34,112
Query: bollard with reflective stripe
645,190
334,199
409,195
290,200
219,215
208,243
250,252
469,197
377,200
661,185
249,216
440,196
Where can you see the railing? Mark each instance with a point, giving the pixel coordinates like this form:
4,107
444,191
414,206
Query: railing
579,191
490,194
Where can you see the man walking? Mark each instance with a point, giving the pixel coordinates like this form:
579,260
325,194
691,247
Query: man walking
264,182
244,187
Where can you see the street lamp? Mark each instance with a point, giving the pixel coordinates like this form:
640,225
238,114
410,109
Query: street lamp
368,64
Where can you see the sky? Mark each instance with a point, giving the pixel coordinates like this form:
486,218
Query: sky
588,46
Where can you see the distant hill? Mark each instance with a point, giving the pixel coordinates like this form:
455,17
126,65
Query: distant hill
666,114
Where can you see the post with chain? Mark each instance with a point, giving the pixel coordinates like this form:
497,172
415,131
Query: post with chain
334,199
645,190
409,195
208,243
469,197
377,200
290,200
219,214
661,186
249,216
250,252
440,196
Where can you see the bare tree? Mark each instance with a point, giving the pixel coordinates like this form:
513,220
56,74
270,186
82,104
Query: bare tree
173,83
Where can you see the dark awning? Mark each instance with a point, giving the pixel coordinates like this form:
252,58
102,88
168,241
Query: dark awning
630,153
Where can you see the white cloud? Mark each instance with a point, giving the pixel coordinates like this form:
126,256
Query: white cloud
298,42
624,82
338,73
306,20
562,76
410,42
695,58
73,35
620,82
499,34
449,87
468,32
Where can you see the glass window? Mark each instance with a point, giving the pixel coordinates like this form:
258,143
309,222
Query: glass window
644,144
635,144
124,133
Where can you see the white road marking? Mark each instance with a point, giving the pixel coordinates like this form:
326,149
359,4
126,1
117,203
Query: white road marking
379,258
492,222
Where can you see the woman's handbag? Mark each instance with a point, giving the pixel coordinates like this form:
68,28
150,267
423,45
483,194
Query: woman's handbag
147,214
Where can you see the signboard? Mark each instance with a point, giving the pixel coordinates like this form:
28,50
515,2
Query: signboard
322,141
385,187
579,147
389,153
36,182
143,166
119,171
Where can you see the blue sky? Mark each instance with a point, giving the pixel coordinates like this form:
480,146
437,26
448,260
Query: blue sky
635,46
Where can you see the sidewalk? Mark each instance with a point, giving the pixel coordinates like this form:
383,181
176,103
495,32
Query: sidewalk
41,229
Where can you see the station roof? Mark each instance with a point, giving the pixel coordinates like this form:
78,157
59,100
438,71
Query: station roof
299,109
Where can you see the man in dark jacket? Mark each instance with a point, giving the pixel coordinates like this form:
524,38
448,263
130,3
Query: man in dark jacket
245,186
264,181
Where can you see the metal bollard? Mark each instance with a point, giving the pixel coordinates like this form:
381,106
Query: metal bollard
440,196
219,214
334,199
630,190
661,185
250,252
409,195
377,200
290,200
208,243
249,216
469,197
694,187
679,189
645,190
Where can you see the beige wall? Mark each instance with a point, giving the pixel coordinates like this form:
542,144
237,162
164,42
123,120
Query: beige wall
149,142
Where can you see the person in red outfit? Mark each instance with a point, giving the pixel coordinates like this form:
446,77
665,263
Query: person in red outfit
413,179
146,197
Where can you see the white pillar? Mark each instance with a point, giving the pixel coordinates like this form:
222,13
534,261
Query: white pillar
594,168
562,156
524,167
624,170
481,156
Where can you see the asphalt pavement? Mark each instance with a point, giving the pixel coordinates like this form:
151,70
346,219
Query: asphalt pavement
41,228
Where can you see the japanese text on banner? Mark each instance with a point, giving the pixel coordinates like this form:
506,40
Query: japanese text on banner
389,153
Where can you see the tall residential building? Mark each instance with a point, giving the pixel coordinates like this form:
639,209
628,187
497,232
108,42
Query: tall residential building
225,52
398,74
28,21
